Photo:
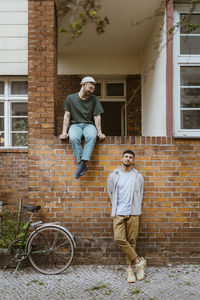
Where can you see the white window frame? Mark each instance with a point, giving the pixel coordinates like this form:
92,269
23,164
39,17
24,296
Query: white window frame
8,99
180,60
105,98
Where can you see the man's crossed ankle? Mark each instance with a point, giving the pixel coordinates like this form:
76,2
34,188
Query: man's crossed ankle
81,169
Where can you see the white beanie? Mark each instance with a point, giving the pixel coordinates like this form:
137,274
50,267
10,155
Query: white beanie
88,79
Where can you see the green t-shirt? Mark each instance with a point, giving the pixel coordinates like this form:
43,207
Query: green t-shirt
83,111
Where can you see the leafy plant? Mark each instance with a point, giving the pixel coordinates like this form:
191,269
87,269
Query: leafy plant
186,23
81,13
21,139
10,224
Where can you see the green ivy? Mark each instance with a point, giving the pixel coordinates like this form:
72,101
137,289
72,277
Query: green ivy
10,224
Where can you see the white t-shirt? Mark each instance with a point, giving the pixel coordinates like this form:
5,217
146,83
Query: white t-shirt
124,196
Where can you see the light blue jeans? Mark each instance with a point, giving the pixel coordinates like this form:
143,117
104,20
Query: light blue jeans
76,132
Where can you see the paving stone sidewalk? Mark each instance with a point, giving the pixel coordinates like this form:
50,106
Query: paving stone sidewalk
102,283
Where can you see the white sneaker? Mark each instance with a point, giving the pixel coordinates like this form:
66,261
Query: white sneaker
130,275
140,273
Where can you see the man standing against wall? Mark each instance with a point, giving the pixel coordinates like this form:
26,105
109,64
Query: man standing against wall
83,119
125,190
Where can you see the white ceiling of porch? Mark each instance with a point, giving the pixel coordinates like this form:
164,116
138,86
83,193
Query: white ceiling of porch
120,36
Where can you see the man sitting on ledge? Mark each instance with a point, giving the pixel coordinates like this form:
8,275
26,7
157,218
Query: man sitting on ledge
83,119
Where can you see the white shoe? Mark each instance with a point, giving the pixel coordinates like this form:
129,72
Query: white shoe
140,273
130,275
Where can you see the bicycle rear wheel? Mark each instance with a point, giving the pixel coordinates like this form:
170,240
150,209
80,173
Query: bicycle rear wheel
51,250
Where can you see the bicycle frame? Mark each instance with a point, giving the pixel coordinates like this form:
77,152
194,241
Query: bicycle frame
27,245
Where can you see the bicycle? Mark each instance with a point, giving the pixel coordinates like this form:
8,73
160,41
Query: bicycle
50,247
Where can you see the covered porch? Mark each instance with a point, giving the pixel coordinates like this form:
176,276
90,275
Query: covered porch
127,62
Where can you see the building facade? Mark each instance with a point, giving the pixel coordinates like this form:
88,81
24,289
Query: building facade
148,82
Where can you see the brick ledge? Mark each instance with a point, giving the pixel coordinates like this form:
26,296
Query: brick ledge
13,150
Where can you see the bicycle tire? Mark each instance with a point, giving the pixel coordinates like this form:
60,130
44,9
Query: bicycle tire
51,250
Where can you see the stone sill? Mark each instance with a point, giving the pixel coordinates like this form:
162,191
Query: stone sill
14,150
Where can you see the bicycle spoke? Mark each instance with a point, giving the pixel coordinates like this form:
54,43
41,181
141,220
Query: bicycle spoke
44,240
61,245
61,256
55,240
58,247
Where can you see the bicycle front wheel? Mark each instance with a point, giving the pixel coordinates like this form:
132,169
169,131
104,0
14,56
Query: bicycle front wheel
51,250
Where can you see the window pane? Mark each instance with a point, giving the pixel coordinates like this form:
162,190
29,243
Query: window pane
1,139
190,98
190,76
19,124
1,109
1,87
1,124
19,139
97,91
115,89
190,119
190,44
19,109
190,19
19,87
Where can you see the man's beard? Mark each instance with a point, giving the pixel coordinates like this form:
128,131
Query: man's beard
87,94
126,164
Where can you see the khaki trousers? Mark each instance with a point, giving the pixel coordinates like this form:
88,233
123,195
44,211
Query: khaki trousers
125,235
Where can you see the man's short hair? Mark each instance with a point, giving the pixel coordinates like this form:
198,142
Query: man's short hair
129,152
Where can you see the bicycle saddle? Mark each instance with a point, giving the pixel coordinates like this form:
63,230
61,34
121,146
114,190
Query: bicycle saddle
32,207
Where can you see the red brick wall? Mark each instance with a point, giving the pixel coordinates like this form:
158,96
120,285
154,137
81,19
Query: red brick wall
42,68
170,222
13,176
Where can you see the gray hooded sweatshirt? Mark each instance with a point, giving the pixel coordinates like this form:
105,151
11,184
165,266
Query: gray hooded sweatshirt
136,191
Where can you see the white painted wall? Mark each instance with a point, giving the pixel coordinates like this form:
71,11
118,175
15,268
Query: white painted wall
154,83
98,64
13,37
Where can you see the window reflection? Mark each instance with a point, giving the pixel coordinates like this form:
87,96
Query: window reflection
190,76
19,109
190,45
19,87
1,87
190,119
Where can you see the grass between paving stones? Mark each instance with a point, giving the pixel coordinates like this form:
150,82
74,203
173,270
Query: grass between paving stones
135,292
98,287
35,281
103,287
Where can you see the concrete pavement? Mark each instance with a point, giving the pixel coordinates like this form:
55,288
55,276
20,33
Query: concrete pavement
102,283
